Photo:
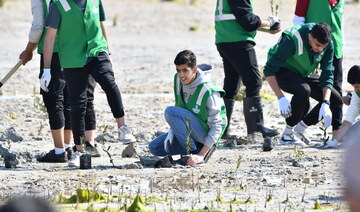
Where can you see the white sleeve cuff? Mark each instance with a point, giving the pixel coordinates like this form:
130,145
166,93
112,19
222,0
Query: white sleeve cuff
298,20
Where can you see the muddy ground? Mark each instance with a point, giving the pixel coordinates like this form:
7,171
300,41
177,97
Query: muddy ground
144,38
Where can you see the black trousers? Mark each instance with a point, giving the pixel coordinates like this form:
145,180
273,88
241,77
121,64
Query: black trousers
77,79
338,80
302,89
240,64
57,102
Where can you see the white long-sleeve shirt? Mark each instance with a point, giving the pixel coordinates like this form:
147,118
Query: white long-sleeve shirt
354,108
37,26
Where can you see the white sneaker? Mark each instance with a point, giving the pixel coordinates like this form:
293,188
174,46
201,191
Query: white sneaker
287,139
75,160
125,135
330,144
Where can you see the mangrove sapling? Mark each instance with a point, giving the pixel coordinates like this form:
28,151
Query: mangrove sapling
188,136
303,196
317,205
287,198
274,8
106,150
41,127
238,162
103,128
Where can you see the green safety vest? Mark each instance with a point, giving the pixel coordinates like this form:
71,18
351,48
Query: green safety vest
40,48
79,34
321,11
197,102
300,62
227,28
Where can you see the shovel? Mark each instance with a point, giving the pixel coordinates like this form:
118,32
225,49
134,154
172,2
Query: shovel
10,73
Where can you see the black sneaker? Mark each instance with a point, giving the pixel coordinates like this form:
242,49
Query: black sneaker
51,157
92,150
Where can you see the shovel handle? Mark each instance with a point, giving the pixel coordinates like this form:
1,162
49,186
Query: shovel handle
10,73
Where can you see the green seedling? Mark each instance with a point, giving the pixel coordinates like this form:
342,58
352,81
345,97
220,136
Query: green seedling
194,28
297,152
103,128
41,127
303,196
38,102
238,162
218,197
274,8
2,3
115,20
138,204
317,205
8,142
188,136
13,116
325,137
108,154
249,200
287,199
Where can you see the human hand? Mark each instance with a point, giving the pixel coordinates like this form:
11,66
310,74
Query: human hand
325,114
25,56
274,23
285,107
347,99
195,159
45,79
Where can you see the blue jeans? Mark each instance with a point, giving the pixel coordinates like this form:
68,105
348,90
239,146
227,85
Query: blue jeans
175,117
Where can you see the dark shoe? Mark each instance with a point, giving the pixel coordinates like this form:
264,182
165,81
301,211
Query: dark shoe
268,144
229,105
92,150
253,113
165,162
51,157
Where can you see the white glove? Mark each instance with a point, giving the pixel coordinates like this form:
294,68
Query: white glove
168,140
274,22
325,114
285,107
45,79
330,144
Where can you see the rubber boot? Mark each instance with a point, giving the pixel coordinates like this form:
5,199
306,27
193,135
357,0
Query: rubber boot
229,105
254,119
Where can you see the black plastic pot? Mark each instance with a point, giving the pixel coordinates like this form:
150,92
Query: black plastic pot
10,161
85,161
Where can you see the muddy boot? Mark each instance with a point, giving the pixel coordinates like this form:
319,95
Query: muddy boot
254,119
229,105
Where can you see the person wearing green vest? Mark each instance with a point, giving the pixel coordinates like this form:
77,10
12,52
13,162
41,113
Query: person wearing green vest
77,26
331,12
199,105
236,26
291,63
56,100
353,111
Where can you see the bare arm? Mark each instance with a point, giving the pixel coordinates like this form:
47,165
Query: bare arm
275,86
27,54
49,46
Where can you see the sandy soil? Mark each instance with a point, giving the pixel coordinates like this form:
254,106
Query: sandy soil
147,36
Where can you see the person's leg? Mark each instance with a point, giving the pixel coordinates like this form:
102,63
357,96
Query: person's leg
337,112
90,118
101,71
54,103
293,83
176,117
157,146
231,86
77,82
68,137
316,93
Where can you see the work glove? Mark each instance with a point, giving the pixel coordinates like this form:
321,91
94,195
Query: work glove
330,144
45,79
168,140
285,107
325,114
274,23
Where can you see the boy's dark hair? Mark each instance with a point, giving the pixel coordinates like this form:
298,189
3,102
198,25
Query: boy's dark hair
321,32
185,57
353,76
